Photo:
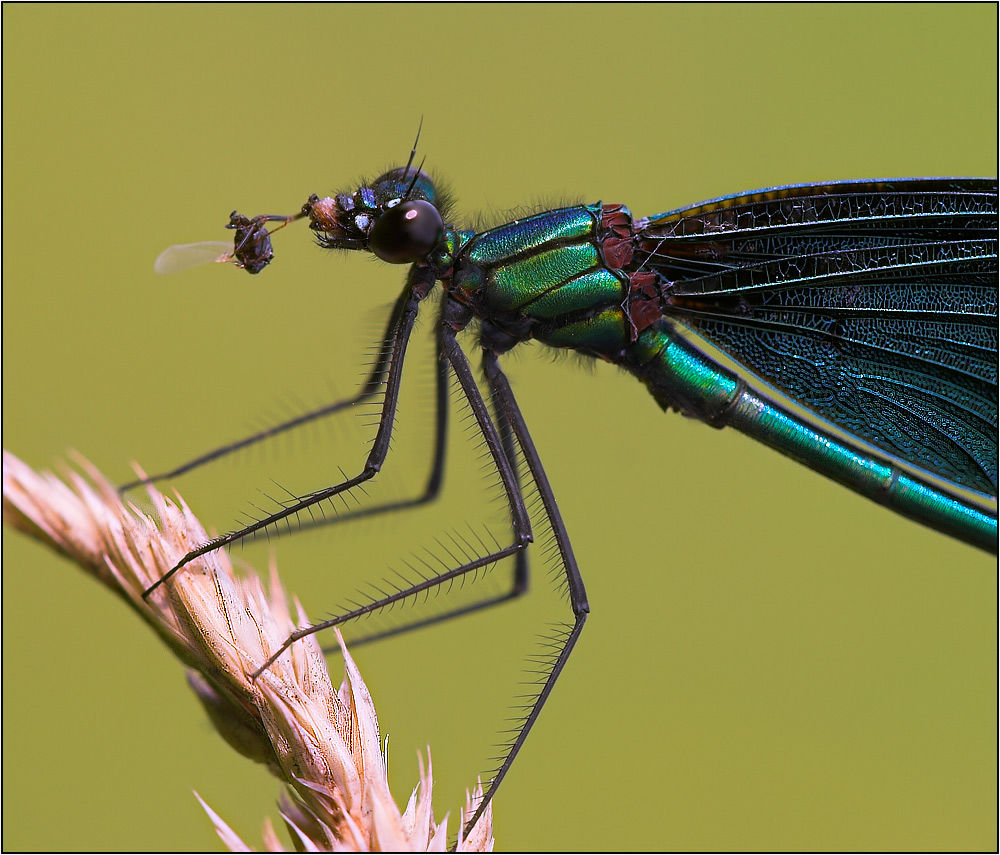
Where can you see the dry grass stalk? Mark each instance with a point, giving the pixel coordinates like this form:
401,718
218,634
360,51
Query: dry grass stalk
324,743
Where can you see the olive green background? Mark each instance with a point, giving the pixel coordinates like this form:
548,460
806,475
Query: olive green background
771,661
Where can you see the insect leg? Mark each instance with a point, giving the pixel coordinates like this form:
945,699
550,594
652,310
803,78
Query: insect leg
519,582
432,487
504,398
519,514
415,291
369,388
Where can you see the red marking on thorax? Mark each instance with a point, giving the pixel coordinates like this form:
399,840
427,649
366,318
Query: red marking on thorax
615,219
617,246
642,304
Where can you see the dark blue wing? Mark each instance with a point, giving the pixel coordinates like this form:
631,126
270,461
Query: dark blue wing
872,304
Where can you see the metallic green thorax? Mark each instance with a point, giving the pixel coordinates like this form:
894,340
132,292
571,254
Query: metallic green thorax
545,277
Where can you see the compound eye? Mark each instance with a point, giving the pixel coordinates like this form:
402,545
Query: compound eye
406,233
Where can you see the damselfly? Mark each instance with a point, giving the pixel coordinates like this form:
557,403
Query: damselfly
850,325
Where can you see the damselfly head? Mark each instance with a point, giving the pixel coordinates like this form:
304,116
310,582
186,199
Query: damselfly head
395,217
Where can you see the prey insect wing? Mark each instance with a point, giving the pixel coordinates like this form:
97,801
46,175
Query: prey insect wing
185,256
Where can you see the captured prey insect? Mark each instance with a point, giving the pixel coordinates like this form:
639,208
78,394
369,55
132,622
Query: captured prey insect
851,326
250,249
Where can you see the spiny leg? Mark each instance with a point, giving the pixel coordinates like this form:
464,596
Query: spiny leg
418,284
519,581
369,388
519,514
504,398
432,487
